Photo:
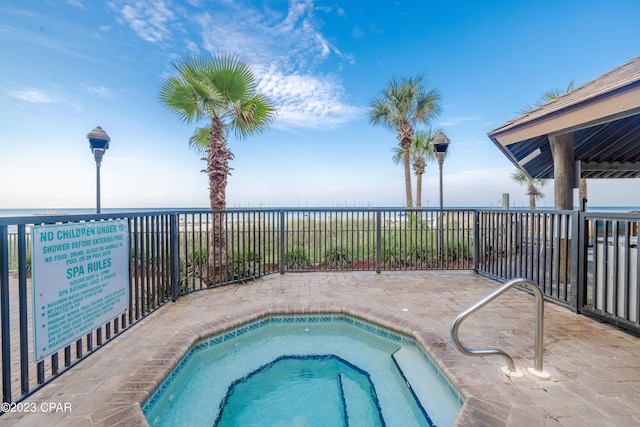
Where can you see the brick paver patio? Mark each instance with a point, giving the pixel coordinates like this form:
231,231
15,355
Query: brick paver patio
594,367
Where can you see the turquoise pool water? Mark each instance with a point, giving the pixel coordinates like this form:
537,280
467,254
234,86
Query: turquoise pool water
307,390
314,370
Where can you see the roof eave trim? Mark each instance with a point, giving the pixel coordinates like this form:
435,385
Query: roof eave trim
504,129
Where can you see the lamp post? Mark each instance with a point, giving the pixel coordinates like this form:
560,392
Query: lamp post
440,145
99,143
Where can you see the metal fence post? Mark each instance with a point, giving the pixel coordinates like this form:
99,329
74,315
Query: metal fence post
378,241
282,242
578,261
175,257
476,240
5,314
22,310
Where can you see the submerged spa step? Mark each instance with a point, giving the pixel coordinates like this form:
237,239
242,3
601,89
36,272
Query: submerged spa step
414,372
360,400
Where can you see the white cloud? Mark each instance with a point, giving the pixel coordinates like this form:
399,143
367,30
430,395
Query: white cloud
192,47
292,42
306,101
33,95
296,13
149,19
100,91
286,50
76,3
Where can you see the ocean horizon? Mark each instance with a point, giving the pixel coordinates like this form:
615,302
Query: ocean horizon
22,212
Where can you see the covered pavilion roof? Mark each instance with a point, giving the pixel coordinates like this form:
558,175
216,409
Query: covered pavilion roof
604,116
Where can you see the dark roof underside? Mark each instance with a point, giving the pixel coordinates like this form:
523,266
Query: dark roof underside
615,146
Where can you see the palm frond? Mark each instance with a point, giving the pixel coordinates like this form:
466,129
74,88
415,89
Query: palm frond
221,87
179,97
547,97
398,154
421,147
252,115
519,177
194,71
427,106
199,141
404,100
534,191
532,184
555,93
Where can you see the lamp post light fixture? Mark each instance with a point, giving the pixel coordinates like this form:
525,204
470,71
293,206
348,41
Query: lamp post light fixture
99,143
440,145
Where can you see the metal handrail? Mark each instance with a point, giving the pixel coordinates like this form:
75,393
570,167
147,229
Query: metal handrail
510,370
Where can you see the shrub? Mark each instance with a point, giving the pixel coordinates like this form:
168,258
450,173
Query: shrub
424,256
192,267
337,258
392,257
244,265
296,259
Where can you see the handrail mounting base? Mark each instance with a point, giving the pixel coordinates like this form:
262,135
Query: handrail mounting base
543,375
517,374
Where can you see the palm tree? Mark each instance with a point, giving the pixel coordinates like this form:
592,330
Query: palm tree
547,97
533,190
421,152
221,90
400,106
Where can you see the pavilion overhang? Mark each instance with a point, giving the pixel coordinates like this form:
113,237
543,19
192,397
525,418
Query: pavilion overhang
603,119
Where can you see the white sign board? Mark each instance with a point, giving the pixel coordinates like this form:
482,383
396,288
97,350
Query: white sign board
80,277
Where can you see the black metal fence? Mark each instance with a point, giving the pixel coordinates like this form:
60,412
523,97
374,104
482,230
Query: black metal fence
260,242
173,253
532,244
150,286
585,261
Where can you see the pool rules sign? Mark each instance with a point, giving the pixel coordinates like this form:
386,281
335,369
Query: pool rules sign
80,279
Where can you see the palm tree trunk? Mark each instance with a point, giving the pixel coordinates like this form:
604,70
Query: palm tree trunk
405,137
419,191
218,156
582,191
407,177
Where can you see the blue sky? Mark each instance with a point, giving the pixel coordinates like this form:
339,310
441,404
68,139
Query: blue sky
68,66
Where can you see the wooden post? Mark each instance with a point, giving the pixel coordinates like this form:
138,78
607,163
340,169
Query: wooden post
563,165
564,177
